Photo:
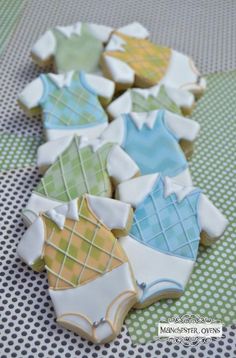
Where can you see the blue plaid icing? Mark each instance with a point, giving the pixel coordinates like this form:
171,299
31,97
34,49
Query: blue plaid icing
70,107
154,149
167,225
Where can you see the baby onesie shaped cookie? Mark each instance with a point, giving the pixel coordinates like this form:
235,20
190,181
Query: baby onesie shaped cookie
157,97
90,281
69,102
132,60
75,47
163,242
79,166
152,140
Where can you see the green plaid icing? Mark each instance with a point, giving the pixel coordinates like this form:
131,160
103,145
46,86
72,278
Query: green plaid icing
72,106
78,52
162,100
77,171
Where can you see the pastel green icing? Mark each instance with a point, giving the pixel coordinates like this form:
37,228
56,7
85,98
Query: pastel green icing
78,52
77,171
142,104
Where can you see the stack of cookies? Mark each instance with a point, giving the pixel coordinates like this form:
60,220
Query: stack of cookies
115,219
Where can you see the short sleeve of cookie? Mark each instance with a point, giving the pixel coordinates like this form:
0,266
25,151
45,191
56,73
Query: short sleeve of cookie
120,166
30,247
101,32
115,131
113,213
181,127
134,191
212,222
103,87
31,95
134,29
49,152
44,47
122,104
118,70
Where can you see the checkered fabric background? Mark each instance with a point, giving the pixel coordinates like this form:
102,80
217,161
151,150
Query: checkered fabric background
206,31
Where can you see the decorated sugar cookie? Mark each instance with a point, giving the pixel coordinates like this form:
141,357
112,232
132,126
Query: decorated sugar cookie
75,47
132,60
163,242
79,166
152,140
90,281
157,97
70,103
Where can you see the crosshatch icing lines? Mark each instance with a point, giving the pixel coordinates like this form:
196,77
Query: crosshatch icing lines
168,225
84,250
72,105
77,170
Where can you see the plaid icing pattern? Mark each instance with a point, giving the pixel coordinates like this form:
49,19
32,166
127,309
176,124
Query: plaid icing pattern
70,106
77,171
149,61
142,104
167,225
82,251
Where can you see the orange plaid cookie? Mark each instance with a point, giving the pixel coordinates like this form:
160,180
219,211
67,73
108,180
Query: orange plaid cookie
82,251
91,283
149,61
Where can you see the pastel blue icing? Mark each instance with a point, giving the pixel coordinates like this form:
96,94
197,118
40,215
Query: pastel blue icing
72,107
154,149
166,224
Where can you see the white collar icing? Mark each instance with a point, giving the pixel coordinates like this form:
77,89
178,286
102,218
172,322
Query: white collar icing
148,118
115,44
95,144
63,212
152,91
62,80
68,31
172,187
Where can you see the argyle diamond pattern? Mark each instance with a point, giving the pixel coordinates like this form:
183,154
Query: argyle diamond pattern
167,225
